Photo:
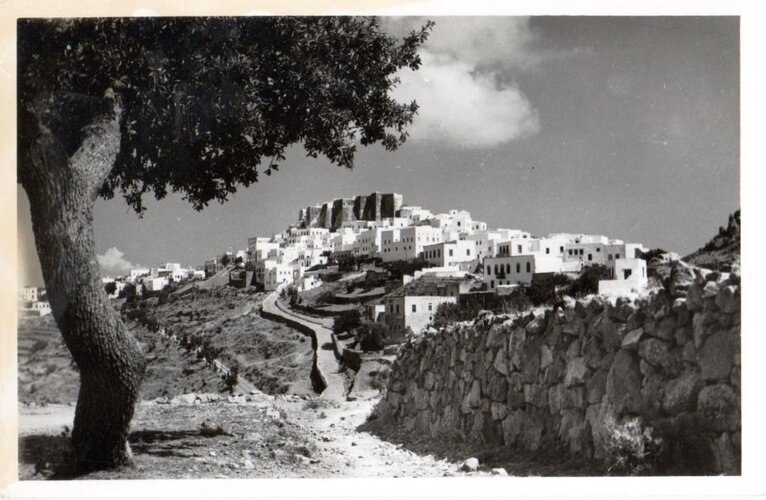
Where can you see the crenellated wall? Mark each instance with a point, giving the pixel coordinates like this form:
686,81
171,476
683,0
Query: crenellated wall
551,378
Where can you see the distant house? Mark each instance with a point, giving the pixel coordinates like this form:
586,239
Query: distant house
155,284
629,276
519,269
414,305
29,294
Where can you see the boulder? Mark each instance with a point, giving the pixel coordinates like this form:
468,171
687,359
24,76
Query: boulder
546,357
694,299
654,351
501,362
556,396
512,427
632,338
596,387
726,456
681,393
728,299
719,406
499,411
716,357
623,383
498,387
473,397
537,325
499,471
535,395
470,465
575,372
710,290
496,336
665,328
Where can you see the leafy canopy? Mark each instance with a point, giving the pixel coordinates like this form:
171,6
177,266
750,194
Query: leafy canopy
209,103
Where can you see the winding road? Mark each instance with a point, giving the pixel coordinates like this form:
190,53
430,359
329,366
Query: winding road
326,362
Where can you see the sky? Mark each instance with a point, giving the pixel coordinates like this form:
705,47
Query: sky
627,127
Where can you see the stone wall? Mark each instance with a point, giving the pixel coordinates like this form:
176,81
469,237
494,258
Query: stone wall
552,378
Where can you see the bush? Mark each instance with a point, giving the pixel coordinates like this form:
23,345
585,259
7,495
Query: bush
587,282
547,290
347,321
399,268
376,336
232,378
630,448
110,287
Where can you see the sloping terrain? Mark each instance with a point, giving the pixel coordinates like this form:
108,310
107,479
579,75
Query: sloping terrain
274,357
722,252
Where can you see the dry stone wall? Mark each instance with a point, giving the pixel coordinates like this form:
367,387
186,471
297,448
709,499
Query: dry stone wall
553,378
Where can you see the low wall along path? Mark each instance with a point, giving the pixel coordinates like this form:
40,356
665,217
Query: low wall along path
554,379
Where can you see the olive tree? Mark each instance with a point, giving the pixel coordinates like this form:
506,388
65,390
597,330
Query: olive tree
196,106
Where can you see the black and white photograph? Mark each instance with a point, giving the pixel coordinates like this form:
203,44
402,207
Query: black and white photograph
378,246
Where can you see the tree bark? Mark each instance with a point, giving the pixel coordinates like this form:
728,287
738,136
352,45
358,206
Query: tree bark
62,189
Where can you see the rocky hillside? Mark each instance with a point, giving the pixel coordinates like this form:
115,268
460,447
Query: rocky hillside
722,253
273,357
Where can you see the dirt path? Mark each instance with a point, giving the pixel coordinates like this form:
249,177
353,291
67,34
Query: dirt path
347,452
265,436
326,362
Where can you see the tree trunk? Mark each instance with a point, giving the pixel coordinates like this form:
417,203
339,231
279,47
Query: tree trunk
62,189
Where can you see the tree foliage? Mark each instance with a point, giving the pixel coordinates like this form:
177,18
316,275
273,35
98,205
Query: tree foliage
211,103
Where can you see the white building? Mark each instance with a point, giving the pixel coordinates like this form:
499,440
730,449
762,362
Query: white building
461,253
155,284
407,243
42,307
629,277
135,274
259,247
519,269
29,294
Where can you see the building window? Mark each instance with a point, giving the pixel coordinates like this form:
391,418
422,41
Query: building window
508,268
582,251
468,252
496,271
518,267
414,308
561,250
547,250
519,247
492,284
529,267
430,307
590,256
450,252
598,249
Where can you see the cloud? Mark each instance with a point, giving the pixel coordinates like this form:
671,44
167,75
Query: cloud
460,107
113,262
465,87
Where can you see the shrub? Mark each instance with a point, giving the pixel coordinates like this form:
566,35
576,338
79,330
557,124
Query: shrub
376,336
399,268
547,290
110,287
347,321
232,378
587,282
630,448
